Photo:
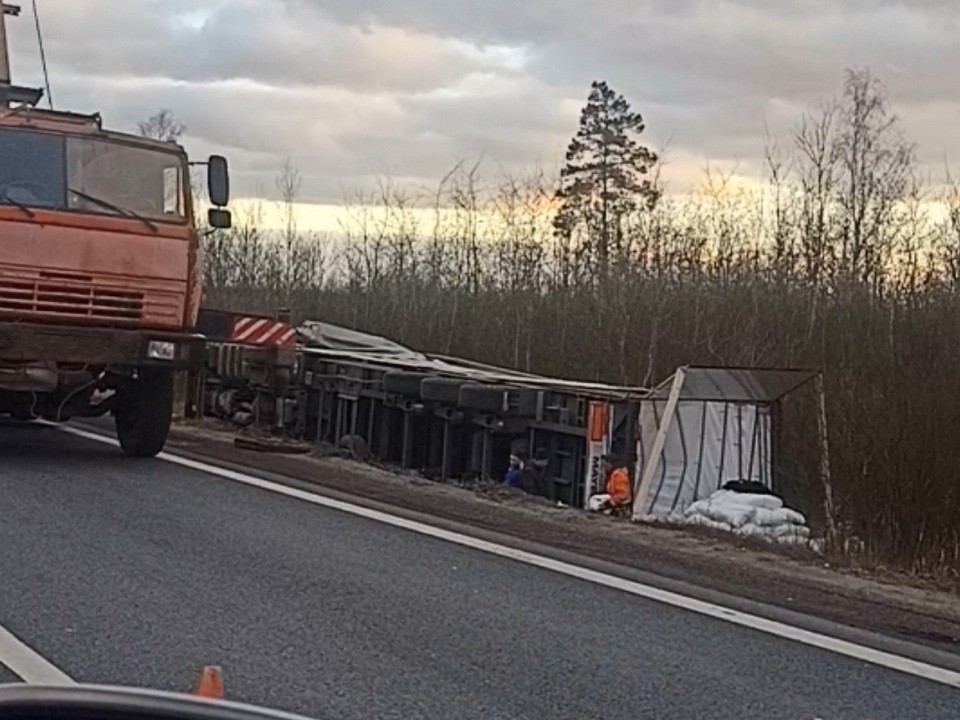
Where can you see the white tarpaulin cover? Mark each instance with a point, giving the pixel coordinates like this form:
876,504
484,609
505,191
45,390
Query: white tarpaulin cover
707,444
348,345
736,384
334,337
703,427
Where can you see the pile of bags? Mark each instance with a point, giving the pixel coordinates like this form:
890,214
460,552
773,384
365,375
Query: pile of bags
759,515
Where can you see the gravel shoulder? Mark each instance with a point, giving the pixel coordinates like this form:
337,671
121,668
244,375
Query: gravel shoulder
893,604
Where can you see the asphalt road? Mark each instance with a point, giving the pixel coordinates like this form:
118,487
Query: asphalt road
140,572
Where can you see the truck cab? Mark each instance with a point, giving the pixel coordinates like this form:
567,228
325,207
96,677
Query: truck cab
100,275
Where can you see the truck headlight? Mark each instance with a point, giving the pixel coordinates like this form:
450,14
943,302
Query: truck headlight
161,350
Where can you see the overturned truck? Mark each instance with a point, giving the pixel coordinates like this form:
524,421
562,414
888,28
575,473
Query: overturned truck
451,419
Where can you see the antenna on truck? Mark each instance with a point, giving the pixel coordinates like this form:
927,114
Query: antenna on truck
43,54
10,93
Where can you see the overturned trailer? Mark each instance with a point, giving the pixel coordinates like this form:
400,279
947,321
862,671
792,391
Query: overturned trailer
450,418
444,417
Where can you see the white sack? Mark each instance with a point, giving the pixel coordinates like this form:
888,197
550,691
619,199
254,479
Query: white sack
768,502
696,508
752,529
703,520
596,503
791,531
783,516
733,515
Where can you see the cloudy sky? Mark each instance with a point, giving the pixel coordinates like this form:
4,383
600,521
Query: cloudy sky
351,89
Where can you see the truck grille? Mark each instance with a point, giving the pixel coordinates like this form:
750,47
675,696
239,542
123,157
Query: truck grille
70,297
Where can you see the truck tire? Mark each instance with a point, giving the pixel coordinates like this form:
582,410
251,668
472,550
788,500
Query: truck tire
499,399
524,402
441,389
402,382
143,413
486,398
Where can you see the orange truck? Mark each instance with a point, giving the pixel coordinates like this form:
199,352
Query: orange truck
100,275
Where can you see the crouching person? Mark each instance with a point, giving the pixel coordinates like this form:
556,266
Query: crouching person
514,476
617,495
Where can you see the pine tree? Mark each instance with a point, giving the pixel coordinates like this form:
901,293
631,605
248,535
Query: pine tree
606,176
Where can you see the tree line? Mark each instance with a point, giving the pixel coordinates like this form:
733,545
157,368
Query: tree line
844,259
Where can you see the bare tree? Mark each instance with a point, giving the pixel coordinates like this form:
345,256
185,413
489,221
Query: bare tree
162,125
288,183
877,164
783,251
815,140
947,233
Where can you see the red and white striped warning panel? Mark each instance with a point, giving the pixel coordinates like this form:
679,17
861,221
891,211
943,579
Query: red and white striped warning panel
263,331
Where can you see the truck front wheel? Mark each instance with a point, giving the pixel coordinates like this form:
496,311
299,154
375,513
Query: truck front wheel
143,412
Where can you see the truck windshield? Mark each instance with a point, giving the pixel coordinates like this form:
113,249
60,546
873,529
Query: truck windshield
41,170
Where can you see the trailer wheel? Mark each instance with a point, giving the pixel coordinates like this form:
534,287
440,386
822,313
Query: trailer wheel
441,389
143,412
499,399
401,382
487,398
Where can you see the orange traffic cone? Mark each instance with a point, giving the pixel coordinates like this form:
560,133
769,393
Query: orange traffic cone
211,682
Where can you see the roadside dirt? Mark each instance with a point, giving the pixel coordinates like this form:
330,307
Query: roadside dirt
894,604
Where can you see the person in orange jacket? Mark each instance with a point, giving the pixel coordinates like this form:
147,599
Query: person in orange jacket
618,482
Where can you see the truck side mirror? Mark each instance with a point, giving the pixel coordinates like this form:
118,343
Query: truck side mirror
218,180
219,218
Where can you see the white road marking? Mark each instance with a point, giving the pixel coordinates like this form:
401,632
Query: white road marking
27,663
649,592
